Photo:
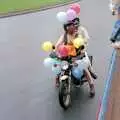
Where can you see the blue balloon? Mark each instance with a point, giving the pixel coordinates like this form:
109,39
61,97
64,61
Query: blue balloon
77,73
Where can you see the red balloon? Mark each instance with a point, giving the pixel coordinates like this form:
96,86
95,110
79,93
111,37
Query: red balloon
75,7
63,51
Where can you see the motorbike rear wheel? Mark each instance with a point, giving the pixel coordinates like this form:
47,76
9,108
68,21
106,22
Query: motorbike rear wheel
64,95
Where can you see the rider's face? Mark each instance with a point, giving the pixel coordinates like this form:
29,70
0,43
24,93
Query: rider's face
71,29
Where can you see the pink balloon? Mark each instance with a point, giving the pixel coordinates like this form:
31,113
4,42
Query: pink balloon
75,7
71,15
63,51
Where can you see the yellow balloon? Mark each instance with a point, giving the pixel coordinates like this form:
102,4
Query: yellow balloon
78,42
47,46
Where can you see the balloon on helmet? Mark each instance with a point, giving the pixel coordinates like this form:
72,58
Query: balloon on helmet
76,8
62,17
71,14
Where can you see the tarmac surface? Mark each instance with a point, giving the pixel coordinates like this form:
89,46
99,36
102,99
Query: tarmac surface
27,90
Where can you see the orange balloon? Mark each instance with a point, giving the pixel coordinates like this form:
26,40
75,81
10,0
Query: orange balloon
71,50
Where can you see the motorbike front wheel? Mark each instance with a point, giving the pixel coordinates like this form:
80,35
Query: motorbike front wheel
64,95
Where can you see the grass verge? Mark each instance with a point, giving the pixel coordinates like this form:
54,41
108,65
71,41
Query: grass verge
7,6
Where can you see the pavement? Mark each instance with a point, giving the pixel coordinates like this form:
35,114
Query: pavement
27,89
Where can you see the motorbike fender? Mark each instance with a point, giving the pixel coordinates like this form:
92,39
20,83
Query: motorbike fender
64,77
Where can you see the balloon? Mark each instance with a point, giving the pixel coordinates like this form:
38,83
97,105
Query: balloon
56,69
71,50
47,46
78,42
71,15
48,62
62,17
75,7
63,51
57,62
77,73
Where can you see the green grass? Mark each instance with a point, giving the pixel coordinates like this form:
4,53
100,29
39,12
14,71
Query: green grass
17,5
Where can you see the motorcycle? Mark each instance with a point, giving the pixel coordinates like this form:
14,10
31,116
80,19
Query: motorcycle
67,80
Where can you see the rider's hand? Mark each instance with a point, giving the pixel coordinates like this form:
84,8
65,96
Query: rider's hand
74,59
116,45
83,51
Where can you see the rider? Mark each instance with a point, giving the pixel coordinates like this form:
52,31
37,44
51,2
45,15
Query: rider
115,37
71,32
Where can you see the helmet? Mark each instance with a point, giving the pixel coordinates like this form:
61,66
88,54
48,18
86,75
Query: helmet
75,22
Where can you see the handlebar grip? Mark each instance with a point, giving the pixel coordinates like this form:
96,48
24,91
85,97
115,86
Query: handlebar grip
53,47
82,47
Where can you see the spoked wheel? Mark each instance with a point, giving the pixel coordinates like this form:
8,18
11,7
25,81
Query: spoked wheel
64,95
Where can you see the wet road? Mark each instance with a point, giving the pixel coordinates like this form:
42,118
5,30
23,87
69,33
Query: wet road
27,89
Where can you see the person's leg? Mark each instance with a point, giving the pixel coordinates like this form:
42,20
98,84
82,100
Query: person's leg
90,68
83,66
57,81
91,82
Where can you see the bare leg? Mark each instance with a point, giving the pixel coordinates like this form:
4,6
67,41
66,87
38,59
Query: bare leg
89,78
92,72
91,83
90,59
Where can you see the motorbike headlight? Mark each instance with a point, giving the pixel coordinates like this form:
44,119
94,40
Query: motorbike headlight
64,65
